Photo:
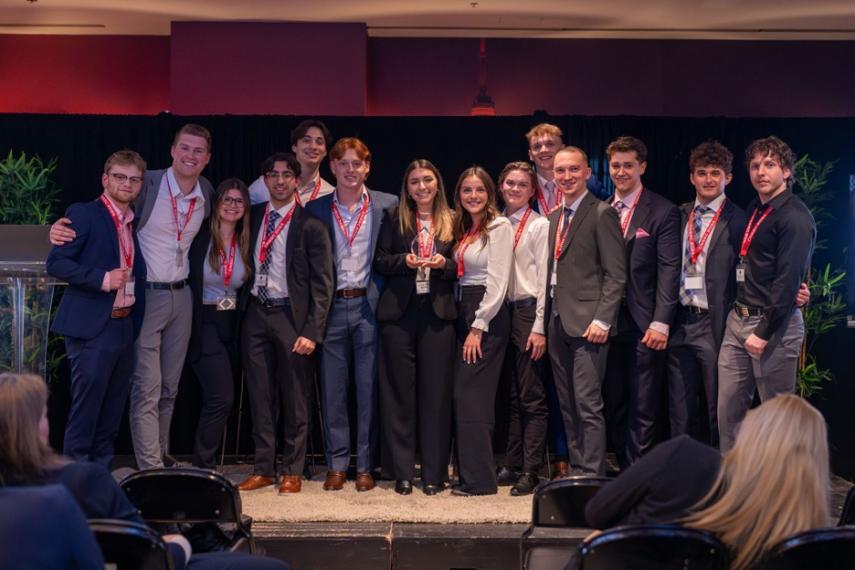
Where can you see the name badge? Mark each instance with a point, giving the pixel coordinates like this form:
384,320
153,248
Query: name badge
179,257
694,281
129,288
554,280
261,280
740,273
226,303
349,264
422,280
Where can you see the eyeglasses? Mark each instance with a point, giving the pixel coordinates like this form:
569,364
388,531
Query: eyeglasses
122,178
229,201
273,175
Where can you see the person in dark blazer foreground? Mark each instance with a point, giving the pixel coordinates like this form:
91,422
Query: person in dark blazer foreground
219,266
416,314
650,225
285,312
587,276
98,313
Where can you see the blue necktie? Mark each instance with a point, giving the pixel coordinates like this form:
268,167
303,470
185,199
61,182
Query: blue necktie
272,218
697,224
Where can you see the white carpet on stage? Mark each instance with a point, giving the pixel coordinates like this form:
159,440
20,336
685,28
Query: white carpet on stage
382,504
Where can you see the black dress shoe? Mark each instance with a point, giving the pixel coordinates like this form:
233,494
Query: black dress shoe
403,487
505,477
525,484
431,489
466,492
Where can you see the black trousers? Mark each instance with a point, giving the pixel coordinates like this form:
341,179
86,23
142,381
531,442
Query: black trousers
274,371
475,388
416,368
215,369
631,393
693,377
528,413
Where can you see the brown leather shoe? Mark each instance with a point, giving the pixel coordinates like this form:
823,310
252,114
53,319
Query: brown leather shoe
364,482
291,484
254,482
562,470
335,480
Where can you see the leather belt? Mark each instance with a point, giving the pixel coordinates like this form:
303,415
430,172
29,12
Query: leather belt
351,293
527,302
174,286
272,303
120,313
746,311
694,310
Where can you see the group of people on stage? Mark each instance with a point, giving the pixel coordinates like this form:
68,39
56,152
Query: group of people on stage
593,308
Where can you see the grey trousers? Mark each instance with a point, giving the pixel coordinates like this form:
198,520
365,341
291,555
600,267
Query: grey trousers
739,373
160,351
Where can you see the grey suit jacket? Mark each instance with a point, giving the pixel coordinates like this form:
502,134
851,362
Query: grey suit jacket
591,267
144,204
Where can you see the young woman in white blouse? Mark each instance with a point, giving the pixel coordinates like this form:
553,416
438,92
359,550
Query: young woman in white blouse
484,239
526,366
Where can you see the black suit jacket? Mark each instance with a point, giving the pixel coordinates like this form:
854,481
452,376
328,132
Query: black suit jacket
392,249
722,256
592,267
653,260
309,272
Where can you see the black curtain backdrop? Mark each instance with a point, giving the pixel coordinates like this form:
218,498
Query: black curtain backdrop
82,143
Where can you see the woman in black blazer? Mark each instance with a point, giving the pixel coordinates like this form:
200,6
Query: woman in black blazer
219,266
416,313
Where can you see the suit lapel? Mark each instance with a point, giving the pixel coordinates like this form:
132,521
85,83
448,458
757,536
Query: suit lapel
578,216
642,212
376,217
293,232
721,225
111,229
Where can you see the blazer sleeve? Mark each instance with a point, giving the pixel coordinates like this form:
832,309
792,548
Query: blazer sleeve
668,263
610,245
499,255
62,261
388,259
319,252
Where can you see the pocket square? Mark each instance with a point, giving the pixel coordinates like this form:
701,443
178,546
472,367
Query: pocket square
641,233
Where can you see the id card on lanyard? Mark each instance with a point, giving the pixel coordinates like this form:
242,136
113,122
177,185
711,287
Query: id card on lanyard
747,238
126,244
349,263
179,227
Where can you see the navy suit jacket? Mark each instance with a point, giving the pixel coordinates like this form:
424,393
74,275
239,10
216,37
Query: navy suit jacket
653,260
85,309
322,209
720,268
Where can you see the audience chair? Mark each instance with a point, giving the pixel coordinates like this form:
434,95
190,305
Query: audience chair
825,548
653,547
130,546
847,516
189,495
558,507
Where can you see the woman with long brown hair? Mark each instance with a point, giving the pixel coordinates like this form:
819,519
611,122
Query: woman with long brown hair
219,266
484,240
416,313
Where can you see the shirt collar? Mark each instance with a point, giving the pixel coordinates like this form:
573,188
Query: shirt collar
780,199
176,190
575,205
518,215
541,181
128,216
628,201
283,211
362,197
714,205
310,185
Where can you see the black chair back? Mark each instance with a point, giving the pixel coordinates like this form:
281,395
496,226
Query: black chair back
561,503
825,548
847,515
653,547
130,546
189,495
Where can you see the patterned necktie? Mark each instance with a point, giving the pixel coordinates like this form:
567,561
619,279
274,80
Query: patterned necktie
272,218
697,225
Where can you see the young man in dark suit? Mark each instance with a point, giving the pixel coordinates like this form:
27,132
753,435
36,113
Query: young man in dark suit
98,314
285,313
650,225
353,216
587,275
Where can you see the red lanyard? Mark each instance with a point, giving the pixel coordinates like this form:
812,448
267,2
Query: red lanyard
751,229
229,265
340,221
267,241
461,249
541,199
561,236
425,246
695,250
314,195
624,223
179,228
521,227
126,242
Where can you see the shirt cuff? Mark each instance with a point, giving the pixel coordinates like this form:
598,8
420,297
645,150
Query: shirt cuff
660,327
105,283
538,327
601,324
480,324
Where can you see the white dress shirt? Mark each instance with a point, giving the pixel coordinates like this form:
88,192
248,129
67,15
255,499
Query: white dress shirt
528,275
489,265
158,237
698,297
360,254
550,192
277,283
